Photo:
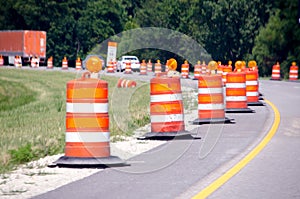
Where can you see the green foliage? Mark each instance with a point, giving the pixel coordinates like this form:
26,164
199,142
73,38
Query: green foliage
32,123
22,154
279,40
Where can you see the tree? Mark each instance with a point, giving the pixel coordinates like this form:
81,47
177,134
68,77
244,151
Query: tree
279,40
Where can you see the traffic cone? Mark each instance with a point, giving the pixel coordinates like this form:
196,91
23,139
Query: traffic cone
87,125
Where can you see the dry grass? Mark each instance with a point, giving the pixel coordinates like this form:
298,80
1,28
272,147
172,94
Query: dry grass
32,113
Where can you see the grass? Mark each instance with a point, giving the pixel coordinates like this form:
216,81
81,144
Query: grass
32,113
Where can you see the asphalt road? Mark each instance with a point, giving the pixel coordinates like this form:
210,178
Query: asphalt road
275,172
182,168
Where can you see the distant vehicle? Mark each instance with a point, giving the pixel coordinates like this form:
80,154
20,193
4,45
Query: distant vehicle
23,43
135,63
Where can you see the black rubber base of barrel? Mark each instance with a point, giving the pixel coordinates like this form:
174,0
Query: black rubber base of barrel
180,135
78,162
259,103
298,81
239,110
199,121
276,79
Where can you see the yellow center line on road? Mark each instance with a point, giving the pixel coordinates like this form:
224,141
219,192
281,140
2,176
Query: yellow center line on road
241,164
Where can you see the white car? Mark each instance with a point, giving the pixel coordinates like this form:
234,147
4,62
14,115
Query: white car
135,63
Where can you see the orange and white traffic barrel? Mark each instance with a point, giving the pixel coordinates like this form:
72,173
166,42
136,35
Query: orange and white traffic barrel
50,63
87,124
64,65
166,109
114,65
211,108
236,96
143,68
157,68
78,64
226,69
149,66
204,68
293,75
252,87
252,65
197,70
110,67
1,60
18,62
125,83
276,72
220,68
185,69
33,62
128,67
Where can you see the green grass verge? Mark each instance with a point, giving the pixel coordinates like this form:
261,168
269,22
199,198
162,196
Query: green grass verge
32,113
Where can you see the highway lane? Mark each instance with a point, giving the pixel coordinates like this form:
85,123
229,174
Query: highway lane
275,172
172,169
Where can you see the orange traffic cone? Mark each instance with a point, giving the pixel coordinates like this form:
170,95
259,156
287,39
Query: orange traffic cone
64,64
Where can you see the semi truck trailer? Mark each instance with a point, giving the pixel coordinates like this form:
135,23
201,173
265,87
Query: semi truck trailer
23,43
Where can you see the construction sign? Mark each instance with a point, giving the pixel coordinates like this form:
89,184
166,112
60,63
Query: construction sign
111,52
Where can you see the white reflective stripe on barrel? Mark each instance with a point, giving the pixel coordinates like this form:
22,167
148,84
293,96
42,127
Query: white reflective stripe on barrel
251,83
166,97
236,98
235,85
87,107
210,106
293,71
294,76
275,70
210,90
87,137
252,93
167,118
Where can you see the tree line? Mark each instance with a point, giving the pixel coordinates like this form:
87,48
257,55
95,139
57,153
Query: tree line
264,30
